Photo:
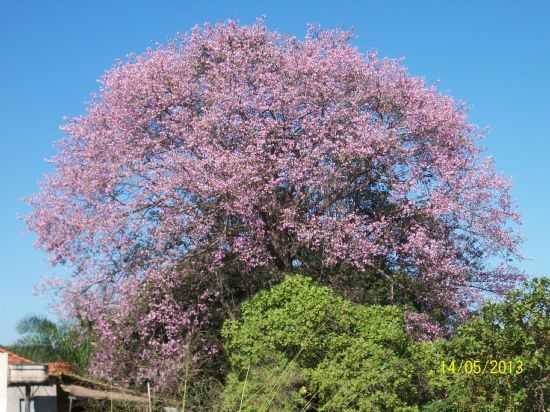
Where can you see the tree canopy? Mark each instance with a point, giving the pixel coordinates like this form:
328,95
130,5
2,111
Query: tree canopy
213,164
43,340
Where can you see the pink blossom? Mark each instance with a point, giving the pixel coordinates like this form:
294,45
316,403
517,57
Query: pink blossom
238,150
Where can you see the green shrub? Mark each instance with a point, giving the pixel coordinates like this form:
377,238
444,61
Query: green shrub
299,346
515,333
276,385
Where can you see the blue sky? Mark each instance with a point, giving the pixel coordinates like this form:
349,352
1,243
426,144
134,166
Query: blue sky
495,55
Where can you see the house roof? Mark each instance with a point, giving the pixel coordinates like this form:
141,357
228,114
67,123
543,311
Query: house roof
14,359
88,393
54,368
77,385
57,368
82,387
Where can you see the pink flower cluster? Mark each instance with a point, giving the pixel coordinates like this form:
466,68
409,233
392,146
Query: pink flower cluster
421,328
151,333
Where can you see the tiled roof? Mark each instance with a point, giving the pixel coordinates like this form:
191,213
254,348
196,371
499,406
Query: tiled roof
14,359
54,368
57,368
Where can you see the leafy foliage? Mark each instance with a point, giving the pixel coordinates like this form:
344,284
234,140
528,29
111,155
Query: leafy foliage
302,346
299,346
515,330
46,341
275,384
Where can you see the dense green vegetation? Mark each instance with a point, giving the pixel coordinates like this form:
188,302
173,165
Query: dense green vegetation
301,347
511,337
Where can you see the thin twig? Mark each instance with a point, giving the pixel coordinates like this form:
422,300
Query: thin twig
244,387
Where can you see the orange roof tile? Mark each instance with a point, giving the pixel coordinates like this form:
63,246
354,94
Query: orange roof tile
14,359
54,368
58,368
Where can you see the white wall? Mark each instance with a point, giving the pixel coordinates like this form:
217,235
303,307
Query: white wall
3,382
44,398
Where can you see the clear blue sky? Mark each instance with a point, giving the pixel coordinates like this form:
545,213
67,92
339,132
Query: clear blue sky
495,55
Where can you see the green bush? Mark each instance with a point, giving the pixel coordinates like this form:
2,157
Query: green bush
516,334
299,346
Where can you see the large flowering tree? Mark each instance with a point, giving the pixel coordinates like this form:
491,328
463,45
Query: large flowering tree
234,154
